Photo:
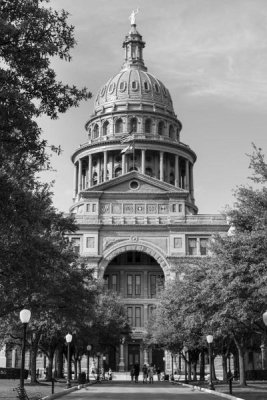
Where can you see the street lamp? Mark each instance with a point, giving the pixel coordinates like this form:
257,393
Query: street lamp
210,340
89,348
68,340
164,367
25,316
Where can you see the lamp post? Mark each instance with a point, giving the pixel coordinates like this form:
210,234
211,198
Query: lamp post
68,340
164,367
89,348
25,316
210,340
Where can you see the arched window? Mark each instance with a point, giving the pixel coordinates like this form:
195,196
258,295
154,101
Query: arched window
119,126
160,128
171,132
96,131
94,178
133,125
148,126
172,178
118,171
149,171
105,128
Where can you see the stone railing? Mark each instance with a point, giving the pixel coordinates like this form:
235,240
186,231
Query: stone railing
201,219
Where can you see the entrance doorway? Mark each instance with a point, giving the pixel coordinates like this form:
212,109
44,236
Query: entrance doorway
133,355
157,358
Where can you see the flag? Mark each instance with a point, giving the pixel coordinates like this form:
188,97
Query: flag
128,149
127,137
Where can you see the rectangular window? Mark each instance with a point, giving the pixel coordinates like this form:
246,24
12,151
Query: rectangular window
90,242
203,246
88,207
180,207
192,246
178,243
153,285
93,207
129,285
114,284
129,257
138,317
130,315
138,285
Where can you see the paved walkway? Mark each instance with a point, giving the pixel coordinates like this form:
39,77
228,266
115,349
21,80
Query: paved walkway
129,391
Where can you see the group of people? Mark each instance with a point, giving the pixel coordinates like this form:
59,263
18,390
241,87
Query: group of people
148,373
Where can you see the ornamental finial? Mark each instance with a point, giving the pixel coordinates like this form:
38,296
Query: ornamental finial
132,16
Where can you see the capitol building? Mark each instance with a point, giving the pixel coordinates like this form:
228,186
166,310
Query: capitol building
133,198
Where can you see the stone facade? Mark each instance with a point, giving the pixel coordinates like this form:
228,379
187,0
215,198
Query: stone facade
135,208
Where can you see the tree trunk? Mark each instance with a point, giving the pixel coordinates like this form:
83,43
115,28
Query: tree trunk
75,368
214,377
59,363
202,366
241,354
34,351
224,367
49,375
236,366
189,371
79,366
194,368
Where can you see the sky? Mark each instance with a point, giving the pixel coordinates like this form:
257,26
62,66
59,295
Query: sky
210,54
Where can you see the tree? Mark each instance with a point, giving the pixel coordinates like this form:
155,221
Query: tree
30,35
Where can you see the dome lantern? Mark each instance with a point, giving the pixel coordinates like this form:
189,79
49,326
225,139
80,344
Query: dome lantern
133,45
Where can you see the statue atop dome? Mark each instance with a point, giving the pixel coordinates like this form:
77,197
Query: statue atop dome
132,16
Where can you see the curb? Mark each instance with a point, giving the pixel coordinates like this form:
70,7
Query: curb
219,394
67,391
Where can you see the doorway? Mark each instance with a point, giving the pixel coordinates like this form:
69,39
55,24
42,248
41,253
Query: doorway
133,355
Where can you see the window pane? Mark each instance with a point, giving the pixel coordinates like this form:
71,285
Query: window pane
130,315
106,282
129,285
153,286
114,283
192,247
203,246
138,316
138,285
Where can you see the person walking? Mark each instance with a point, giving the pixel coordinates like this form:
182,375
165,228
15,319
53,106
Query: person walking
158,373
145,373
136,372
132,373
151,373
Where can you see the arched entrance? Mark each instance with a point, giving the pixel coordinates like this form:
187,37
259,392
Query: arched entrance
137,278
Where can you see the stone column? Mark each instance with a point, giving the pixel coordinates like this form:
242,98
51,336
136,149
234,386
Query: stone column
90,170
105,166
123,163
122,363
143,160
146,356
14,358
98,168
161,166
187,175
74,182
191,181
177,172
80,176
121,283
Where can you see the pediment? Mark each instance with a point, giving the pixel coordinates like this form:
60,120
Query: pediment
135,182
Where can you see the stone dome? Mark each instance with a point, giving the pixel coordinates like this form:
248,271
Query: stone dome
133,84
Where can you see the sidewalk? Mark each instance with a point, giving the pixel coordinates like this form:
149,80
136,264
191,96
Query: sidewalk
255,390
